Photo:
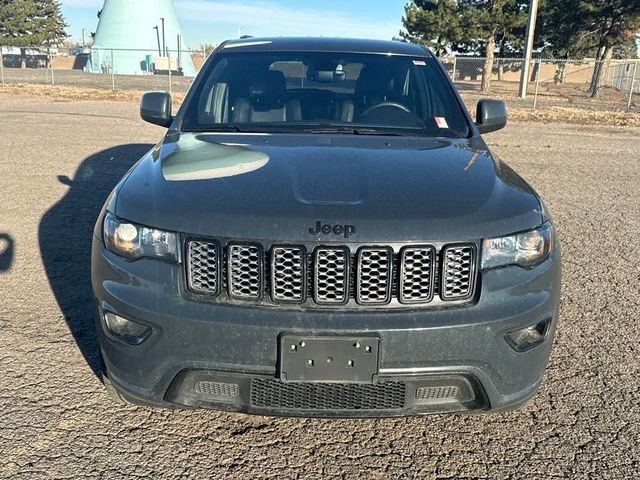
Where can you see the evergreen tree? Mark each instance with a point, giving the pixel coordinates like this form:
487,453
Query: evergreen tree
25,23
486,22
565,30
598,28
434,23
478,26
614,23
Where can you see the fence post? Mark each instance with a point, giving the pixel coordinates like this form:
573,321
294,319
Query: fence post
633,81
535,96
169,60
453,73
46,71
53,81
1,66
113,73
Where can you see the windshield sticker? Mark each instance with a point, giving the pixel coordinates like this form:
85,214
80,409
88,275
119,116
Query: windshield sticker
441,122
419,62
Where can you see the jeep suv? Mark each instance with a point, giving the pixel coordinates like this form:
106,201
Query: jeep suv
323,232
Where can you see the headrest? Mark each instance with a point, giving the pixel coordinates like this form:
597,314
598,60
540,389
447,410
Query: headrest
267,89
376,83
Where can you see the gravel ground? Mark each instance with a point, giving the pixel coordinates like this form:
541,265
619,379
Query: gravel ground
58,160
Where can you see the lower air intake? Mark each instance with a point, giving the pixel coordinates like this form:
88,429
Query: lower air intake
327,396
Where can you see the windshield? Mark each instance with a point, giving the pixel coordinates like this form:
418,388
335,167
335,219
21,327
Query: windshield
321,91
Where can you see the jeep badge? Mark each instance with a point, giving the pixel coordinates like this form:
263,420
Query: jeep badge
327,229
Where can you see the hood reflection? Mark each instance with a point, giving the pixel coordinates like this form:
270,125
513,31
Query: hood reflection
197,158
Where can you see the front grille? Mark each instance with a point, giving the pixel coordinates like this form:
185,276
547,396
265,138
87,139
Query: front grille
331,276
327,396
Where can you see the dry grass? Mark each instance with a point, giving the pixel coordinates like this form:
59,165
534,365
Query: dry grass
576,116
541,115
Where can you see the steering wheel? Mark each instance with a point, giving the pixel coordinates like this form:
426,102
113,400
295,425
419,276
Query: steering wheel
397,105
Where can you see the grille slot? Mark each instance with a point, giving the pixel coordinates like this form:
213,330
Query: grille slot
374,275
203,267
244,271
331,275
417,272
458,270
288,274
327,396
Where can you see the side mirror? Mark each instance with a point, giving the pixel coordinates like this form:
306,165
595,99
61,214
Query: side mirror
155,107
491,115
63,179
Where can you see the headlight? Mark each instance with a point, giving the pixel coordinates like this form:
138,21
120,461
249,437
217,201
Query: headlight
134,241
526,249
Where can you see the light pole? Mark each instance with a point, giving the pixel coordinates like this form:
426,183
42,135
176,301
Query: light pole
158,37
83,37
164,45
528,49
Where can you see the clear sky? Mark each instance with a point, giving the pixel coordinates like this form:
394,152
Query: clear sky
212,21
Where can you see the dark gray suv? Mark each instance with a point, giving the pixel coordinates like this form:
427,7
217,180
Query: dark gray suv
323,232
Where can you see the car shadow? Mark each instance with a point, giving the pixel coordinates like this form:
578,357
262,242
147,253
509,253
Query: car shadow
7,245
65,233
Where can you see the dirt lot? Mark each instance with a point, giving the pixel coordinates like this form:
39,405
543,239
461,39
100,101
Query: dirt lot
59,159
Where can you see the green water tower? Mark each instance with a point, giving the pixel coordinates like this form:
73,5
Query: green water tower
132,32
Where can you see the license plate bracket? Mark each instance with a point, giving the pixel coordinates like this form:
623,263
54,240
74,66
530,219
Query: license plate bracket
307,358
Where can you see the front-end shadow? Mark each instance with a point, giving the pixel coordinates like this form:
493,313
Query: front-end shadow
65,235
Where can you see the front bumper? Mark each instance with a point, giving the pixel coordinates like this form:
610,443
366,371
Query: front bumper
222,345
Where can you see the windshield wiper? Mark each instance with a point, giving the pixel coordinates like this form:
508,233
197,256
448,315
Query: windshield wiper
330,129
227,127
245,128
356,131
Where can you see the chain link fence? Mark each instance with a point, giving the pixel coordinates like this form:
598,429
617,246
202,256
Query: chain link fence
612,85
113,69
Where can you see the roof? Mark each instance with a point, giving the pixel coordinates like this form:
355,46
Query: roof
323,44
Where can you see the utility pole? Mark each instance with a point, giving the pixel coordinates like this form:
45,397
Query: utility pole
164,44
179,65
158,37
83,37
528,49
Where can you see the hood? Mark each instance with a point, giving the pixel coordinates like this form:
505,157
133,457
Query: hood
278,187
